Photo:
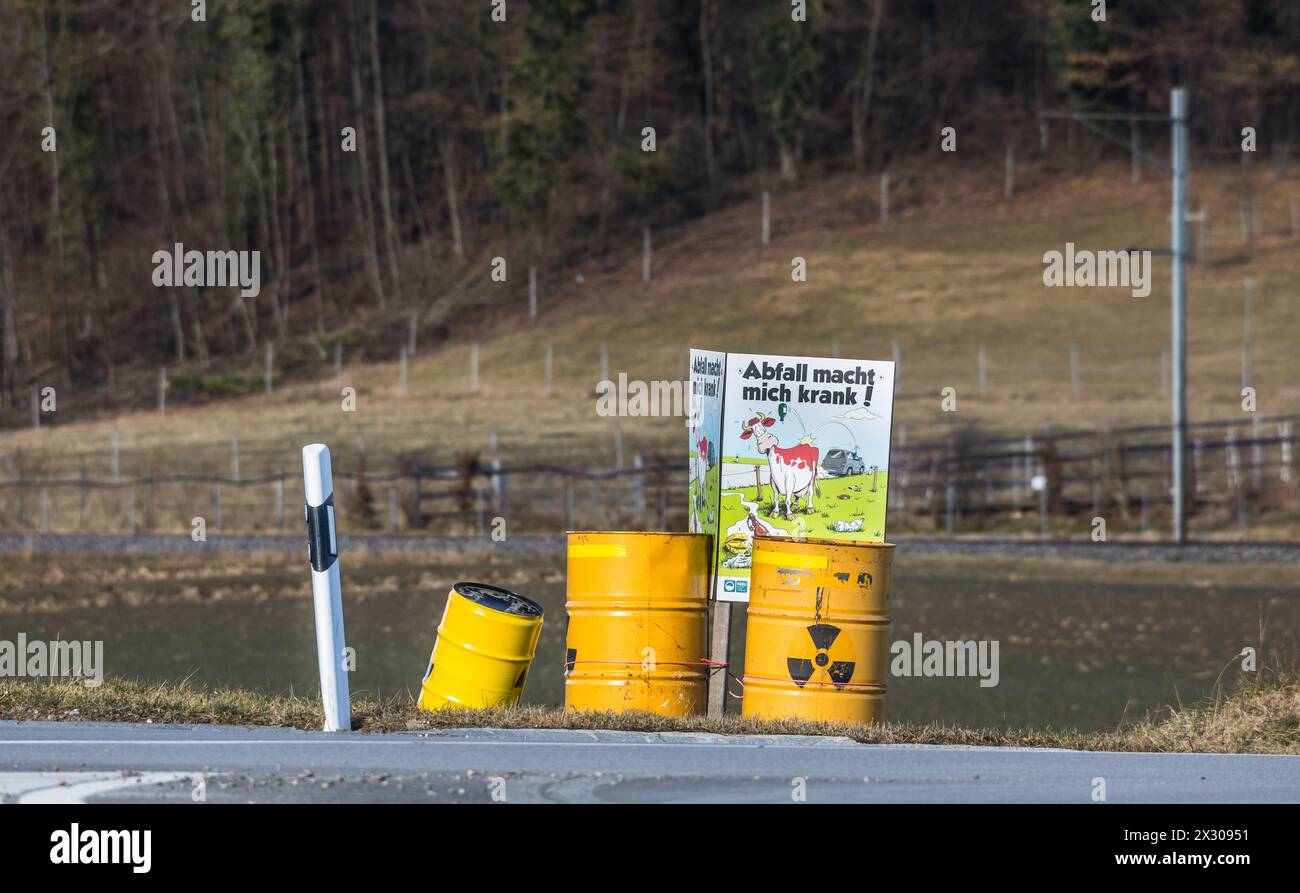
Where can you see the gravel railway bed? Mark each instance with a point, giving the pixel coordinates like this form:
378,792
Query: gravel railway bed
151,544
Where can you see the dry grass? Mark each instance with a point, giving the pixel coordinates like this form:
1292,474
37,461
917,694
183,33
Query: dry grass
958,267
1260,717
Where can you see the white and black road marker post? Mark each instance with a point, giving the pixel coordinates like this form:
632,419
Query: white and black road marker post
326,591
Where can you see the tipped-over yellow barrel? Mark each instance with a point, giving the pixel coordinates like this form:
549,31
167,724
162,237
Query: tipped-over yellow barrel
637,604
817,636
485,644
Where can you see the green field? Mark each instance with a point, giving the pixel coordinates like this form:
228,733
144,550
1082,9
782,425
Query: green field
841,499
1083,644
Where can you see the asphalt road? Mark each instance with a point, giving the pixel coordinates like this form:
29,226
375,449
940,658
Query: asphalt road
73,762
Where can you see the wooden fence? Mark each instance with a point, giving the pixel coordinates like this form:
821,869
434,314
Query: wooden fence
1240,473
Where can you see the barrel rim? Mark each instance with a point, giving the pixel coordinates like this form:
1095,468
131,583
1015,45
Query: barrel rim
819,541
633,533
510,596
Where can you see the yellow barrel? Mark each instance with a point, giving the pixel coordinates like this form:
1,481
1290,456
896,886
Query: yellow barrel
637,604
817,635
485,644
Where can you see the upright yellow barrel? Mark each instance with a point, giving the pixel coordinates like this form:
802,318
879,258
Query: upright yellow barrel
817,635
485,644
637,605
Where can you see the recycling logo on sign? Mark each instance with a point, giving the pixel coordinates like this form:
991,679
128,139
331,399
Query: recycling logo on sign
820,654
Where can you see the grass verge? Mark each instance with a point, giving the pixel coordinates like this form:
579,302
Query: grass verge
1258,717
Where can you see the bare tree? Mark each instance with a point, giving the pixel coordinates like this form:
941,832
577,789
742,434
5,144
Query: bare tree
381,140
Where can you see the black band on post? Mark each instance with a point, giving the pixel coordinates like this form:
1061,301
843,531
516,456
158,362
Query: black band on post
322,543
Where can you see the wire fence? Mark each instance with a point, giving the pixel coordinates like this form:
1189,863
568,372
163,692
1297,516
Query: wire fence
1241,474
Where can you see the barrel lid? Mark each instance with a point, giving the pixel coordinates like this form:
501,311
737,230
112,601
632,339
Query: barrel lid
498,599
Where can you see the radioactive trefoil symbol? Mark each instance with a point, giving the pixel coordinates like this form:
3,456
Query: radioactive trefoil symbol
822,655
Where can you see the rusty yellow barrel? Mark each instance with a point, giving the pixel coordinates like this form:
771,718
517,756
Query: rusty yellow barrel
817,635
637,604
485,644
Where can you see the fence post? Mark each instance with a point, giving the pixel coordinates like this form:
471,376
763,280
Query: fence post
1229,457
1096,488
1256,453
1135,152
1235,475
550,363
279,500
766,233
983,370
905,459
1284,433
719,653
473,368
1142,490
500,478
1042,504
1247,334
532,293
645,254
950,499
270,367
401,370
416,517
234,457
884,196
1009,181
162,390
1198,450
1202,231
1015,482
216,504
898,366
1030,462
81,515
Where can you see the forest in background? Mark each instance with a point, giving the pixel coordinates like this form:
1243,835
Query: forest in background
523,138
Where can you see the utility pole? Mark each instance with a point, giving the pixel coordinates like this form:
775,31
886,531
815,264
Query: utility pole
1178,252
1178,300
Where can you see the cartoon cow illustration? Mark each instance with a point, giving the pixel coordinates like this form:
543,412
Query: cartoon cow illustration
793,470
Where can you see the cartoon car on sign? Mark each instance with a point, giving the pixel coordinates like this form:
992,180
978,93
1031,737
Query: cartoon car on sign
841,463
